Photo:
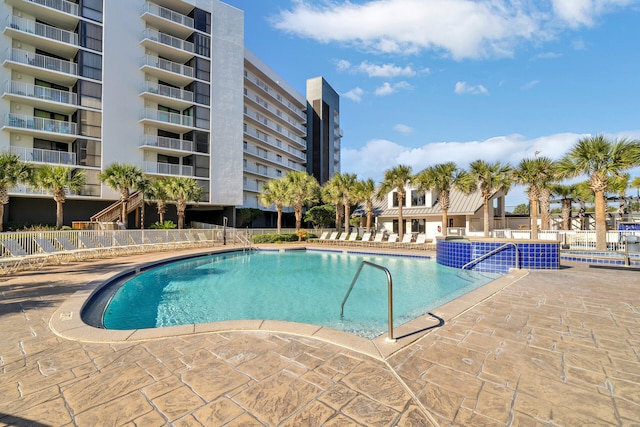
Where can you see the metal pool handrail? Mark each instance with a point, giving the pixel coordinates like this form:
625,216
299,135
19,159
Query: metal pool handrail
390,338
493,252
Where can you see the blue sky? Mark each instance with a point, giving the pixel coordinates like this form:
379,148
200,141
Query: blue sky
427,81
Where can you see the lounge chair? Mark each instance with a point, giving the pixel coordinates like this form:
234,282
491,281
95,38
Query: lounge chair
124,245
420,239
19,257
333,237
106,243
366,237
70,248
393,238
47,247
353,237
323,236
89,244
343,236
377,239
407,237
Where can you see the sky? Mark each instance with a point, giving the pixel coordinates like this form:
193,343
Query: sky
423,82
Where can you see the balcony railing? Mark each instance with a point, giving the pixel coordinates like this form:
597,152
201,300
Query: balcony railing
42,61
27,189
42,30
40,124
61,5
168,91
166,65
168,143
168,40
40,92
44,156
169,14
167,169
164,116
261,170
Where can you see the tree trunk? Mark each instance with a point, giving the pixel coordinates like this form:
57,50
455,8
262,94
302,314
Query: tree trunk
601,222
1,216
400,218
566,214
339,208
279,220
369,220
180,219
347,215
486,216
123,214
534,217
59,214
445,221
298,213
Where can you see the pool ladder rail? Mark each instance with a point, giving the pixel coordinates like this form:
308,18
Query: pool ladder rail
390,337
493,252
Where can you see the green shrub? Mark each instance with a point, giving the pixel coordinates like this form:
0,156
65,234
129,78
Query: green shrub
275,238
167,225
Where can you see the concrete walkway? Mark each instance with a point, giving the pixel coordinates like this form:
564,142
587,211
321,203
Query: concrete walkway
557,348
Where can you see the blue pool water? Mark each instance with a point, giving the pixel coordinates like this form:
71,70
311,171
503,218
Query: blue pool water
296,286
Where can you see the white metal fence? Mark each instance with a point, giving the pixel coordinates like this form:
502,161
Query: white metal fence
572,239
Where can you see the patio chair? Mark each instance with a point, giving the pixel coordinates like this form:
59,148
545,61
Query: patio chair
46,246
406,238
377,239
18,257
420,239
393,238
323,236
89,244
343,236
71,249
124,245
353,237
106,243
366,238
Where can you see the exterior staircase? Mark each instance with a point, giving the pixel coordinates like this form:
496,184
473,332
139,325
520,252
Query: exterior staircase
112,212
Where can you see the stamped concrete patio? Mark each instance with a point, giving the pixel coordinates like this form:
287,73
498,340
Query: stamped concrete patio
557,348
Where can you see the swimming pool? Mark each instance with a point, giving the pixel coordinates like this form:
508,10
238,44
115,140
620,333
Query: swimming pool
296,286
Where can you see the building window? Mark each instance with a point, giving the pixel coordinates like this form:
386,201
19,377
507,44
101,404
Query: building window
90,65
202,67
278,172
90,36
395,226
417,198
202,44
394,198
91,9
90,123
201,91
89,93
418,226
279,158
201,20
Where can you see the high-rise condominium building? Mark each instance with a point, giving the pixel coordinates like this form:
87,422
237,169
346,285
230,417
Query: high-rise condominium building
166,85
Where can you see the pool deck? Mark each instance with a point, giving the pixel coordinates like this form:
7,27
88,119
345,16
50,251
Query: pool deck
537,348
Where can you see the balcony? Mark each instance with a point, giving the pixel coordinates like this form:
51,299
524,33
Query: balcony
55,130
32,191
271,107
169,121
167,20
60,13
164,144
262,170
336,145
41,97
168,71
43,67
167,169
264,121
37,155
277,98
167,46
52,39
166,95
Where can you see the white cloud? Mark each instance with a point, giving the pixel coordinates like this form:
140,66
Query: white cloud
530,84
403,129
464,88
374,70
388,88
457,28
354,94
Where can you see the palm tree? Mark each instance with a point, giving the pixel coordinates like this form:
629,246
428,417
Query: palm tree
182,190
12,171
535,173
619,185
157,191
635,183
490,177
365,192
302,190
331,193
567,194
443,178
549,177
274,192
601,159
58,179
399,178
122,178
